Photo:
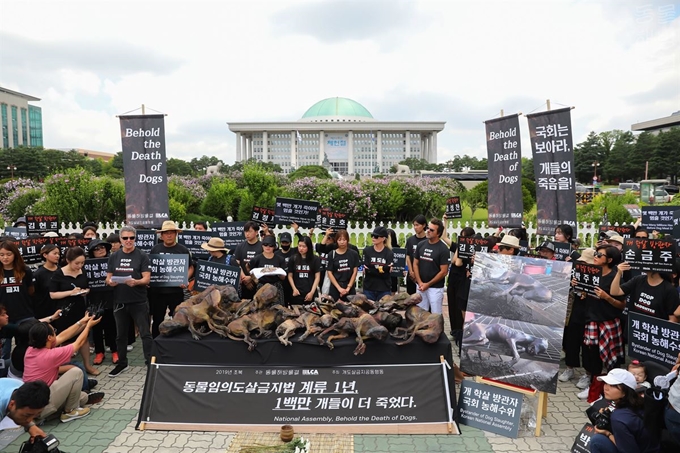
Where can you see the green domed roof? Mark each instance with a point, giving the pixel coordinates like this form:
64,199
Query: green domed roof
337,107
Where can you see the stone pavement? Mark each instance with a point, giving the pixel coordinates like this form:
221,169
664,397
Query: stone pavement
110,427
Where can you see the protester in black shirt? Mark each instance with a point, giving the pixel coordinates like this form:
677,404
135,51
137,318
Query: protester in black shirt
304,273
269,261
102,300
457,287
43,305
244,252
419,225
218,252
343,264
16,288
287,252
431,263
378,261
651,294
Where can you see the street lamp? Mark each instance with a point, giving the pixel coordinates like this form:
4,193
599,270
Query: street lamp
11,168
594,165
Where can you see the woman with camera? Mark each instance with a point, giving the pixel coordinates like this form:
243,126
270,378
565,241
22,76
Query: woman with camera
620,429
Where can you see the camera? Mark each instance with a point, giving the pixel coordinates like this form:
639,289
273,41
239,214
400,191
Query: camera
603,420
41,445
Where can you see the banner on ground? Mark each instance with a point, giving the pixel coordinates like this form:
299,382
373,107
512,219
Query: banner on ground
41,224
289,210
359,397
505,172
208,273
653,339
658,218
553,153
655,255
146,180
587,277
95,270
168,270
490,408
230,232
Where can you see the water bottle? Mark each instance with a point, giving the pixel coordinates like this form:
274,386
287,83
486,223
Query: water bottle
548,268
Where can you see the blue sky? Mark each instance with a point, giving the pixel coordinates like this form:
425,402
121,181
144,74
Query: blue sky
205,63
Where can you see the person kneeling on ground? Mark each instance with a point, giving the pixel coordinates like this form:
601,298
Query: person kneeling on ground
44,361
23,402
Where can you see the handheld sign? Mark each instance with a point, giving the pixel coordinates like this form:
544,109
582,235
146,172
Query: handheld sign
16,232
653,255
302,212
263,215
467,246
209,273
658,218
490,408
95,270
193,240
562,250
582,441
587,277
169,270
41,224
30,249
634,210
144,239
454,209
399,262
653,339
329,219
625,231
64,244
230,232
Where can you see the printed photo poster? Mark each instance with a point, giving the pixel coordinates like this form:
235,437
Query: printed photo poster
553,153
505,172
144,165
515,320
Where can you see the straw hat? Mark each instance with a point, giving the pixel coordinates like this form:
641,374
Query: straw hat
214,245
169,225
509,241
587,256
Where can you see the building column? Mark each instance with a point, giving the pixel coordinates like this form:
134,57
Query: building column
423,146
350,152
238,147
378,156
293,154
407,146
249,147
321,147
433,154
265,148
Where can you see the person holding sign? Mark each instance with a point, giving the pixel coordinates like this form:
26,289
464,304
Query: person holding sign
378,260
458,287
43,305
431,264
268,261
419,225
343,264
304,273
244,252
163,299
16,284
103,300
652,294
218,252
509,245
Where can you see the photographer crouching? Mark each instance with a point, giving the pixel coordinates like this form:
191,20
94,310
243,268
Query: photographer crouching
23,403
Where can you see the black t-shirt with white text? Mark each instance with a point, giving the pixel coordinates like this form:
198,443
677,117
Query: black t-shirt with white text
304,273
14,295
342,265
373,279
599,309
262,261
659,301
430,257
245,252
122,264
411,244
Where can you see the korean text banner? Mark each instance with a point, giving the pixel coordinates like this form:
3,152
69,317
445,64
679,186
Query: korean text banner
553,153
146,180
505,172
653,339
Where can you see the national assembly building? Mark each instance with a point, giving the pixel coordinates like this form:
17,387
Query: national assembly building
339,134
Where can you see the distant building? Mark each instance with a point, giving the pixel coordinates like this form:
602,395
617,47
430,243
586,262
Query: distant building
340,133
90,153
21,121
659,124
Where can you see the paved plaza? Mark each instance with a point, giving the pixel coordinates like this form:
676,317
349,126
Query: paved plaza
111,426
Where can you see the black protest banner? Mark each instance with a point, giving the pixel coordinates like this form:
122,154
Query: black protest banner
562,250
653,339
312,396
490,408
95,270
524,248
654,255
467,246
168,270
454,210
230,232
16,232
302,212
193,240
398,262
208,273
658,218
505,172
553,153
582,441
146,180
625,231
64,244
263,215
676,224
145,240
41,224
587,277
330,219
30,249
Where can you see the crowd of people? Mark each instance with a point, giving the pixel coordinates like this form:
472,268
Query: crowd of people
52,314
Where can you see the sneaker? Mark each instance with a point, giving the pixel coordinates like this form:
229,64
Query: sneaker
567,375
117,370
114,358
94,397
75,414
584,394
107,349
130,347
92,383
99,358
583,382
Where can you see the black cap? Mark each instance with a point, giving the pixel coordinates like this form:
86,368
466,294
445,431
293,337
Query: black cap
380,231
269,240
19,221
285,237
546,245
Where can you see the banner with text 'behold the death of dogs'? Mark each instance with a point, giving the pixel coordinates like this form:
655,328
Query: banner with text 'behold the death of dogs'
146,179
553,153
505,172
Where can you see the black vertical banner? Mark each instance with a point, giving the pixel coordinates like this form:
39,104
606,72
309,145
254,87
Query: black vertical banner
553,153
146,180
505,171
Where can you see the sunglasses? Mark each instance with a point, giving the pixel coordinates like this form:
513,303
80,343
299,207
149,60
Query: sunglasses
375,236
128,238
504,247
430,229
641,237
98,248
600,255
267,245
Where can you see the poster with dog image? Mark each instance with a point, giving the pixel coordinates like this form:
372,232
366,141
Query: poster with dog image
515,320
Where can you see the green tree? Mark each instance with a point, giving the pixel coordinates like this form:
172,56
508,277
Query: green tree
586,154
306,171
260,189
621,163
666,160
198,165
222,199
528,170
178,167
645,147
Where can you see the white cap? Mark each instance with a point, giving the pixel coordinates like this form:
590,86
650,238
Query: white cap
619,376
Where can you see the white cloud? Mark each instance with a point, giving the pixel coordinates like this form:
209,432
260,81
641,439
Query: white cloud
206,63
